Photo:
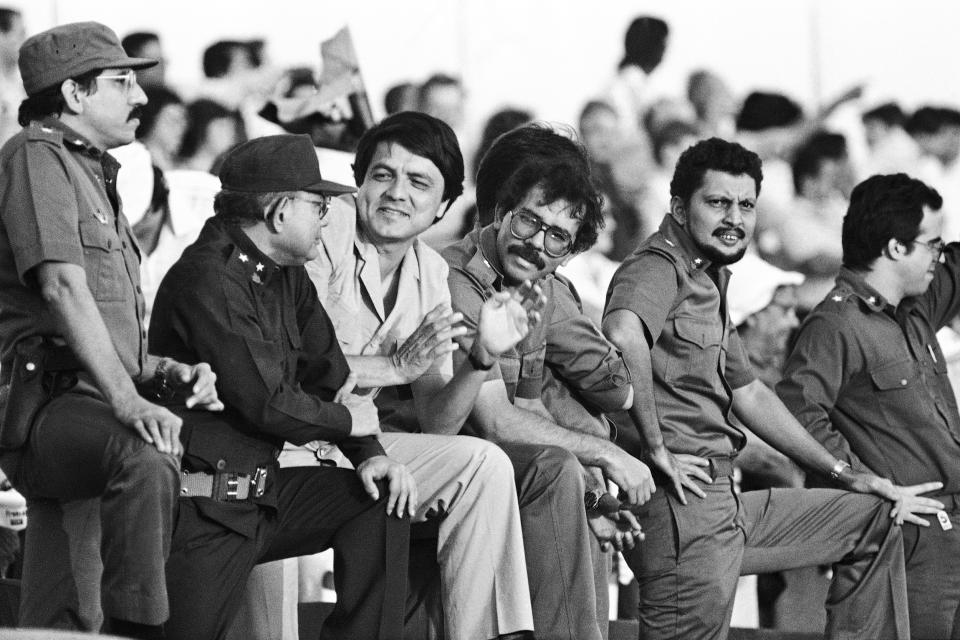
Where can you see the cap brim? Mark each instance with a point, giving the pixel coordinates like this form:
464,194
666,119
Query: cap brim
328,187
135,63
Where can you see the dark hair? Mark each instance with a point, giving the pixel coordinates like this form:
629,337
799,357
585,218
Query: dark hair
157,99
811,155
400,97
762,111
245,209
50,102
199,116
498,124
881,208
133,43
929,120
435,81
645,42
422,135
713,155
889,113
671,132
536,155
218,57
7,18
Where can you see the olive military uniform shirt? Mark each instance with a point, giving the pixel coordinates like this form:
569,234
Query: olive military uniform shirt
58,203
869,381
696,353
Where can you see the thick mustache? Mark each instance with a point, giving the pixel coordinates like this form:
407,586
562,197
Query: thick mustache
529,254
737,230
136,112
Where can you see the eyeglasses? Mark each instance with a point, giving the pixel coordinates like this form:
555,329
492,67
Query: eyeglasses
129,78
936,247
323,205
556,241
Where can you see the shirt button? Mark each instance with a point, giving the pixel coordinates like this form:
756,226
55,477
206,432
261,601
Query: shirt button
903,382
109,244
124,244
139,290
221,465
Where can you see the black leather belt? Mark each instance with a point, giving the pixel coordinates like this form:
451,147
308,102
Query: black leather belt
222,486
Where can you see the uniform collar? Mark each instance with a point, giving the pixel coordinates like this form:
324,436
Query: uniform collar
677,237
79,143
245,257
485,264
368,262
853,282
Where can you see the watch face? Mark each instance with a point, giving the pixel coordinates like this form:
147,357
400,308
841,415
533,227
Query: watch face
590,499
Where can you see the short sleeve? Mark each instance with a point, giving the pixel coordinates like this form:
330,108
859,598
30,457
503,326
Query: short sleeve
738,371
646,284
38,206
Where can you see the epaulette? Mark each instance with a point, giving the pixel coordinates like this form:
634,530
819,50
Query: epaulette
37,131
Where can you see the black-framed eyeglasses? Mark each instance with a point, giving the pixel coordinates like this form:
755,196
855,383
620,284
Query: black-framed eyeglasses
128,77
557,242
936,247
323,205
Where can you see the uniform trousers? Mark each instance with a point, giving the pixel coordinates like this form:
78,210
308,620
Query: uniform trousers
933,576
687,567
216,544
467,485
557,542
78,450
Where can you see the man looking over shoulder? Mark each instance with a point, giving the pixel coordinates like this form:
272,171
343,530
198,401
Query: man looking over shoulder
868,380
75,365
666,310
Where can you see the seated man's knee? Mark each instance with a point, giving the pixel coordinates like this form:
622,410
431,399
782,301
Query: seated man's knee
553,470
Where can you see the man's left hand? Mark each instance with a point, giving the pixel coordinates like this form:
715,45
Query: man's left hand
506,317
402,486
202,381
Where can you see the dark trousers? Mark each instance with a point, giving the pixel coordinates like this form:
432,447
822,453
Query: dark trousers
215,545
78,450
687,567
556,541
933,577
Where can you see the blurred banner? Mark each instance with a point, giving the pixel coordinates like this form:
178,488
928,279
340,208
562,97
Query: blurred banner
333,109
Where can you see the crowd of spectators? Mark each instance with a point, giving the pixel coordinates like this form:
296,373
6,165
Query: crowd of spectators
634,139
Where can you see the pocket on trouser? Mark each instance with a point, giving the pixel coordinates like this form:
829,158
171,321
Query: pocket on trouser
657,554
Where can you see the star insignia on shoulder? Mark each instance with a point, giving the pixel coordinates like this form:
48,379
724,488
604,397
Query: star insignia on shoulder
259,266
837,298
244,258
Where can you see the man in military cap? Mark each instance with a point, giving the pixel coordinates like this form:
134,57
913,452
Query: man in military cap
240,299
73,354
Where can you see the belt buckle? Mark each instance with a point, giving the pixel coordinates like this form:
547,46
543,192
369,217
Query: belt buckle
259,482
232,485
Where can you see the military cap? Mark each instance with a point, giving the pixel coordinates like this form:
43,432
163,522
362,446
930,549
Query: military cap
70,50
276,163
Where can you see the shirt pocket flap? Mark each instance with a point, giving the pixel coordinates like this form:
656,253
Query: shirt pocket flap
93,235
700,331
897,375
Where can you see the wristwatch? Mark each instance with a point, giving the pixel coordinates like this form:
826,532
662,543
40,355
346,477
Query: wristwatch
838,468
477,363
591,499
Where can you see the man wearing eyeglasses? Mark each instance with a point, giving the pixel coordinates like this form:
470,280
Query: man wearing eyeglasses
546,208
868,379
240,298
77,422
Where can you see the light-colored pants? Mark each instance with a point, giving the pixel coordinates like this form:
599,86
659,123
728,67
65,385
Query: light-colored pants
469,483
